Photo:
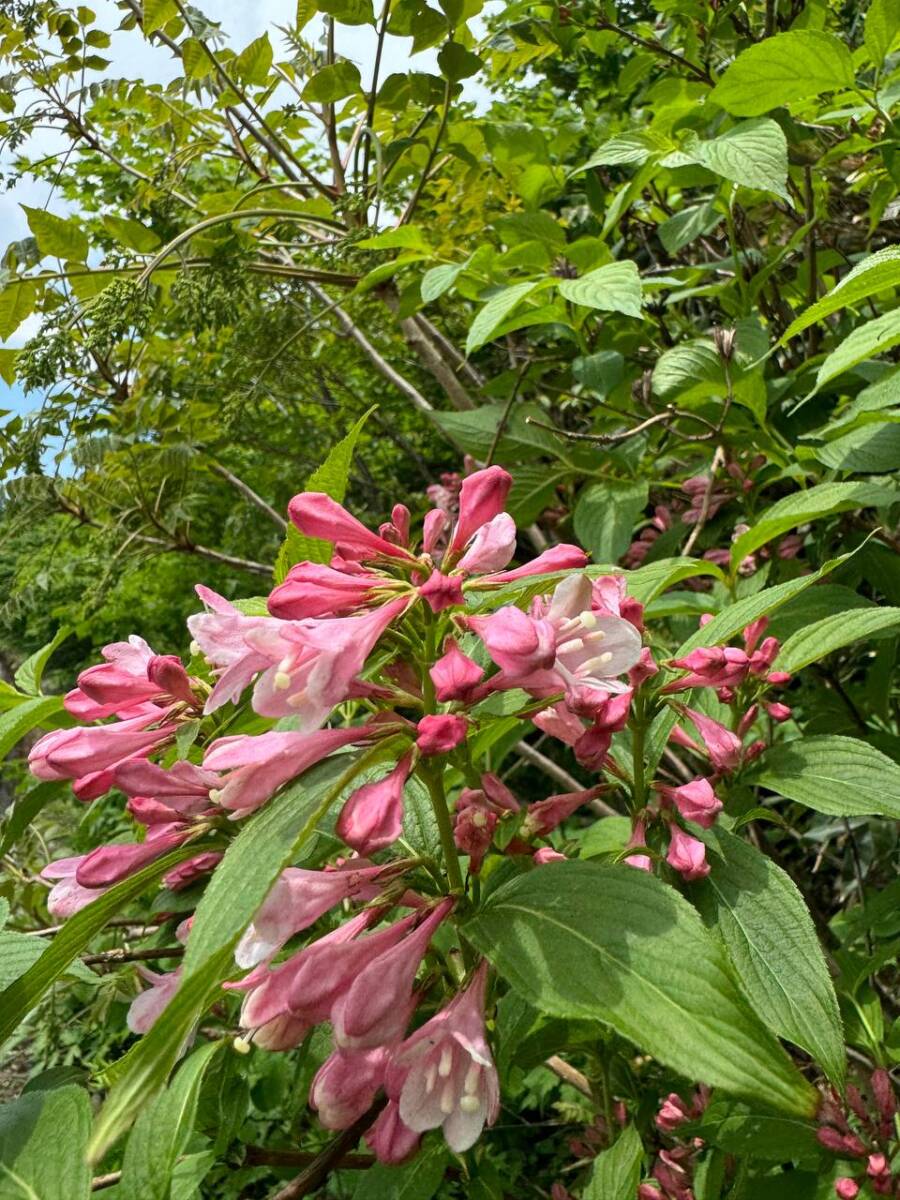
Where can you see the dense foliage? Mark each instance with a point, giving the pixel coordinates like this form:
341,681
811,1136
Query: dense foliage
450,878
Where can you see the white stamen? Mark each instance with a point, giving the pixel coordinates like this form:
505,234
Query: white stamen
473,1075
431,1077
297,700
215,794
286,663
446,1064
573,644
447,1105
588,620
281,680
592,664
195,649
595,638
469,1104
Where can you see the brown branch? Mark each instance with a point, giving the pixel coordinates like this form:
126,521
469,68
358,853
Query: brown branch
434,363
122,955
247,491
326,1161
99,1182
561,775
705,503
658,48
569,1074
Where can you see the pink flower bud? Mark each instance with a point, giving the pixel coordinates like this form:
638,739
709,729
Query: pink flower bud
191,870
389,1139
375,1009
877,1166
108,864
167,673
710,666
559,722
146,1009
753,632
763,658
638,838
883,1093
592,748
473,831
687,855
318,516
645,668
722,746
481,498
72,753
316,590
439,733
557,558
779,712
696,801
372,818
499,794
830,1139
455,675
442,591
845,1188
518,644
433,527
545,855
543,816
344,1087
778,678
492,546
149,812
672,1113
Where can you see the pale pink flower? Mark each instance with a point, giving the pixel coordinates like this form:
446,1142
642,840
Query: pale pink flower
221,632
67,896
560,722
722,746
119,683
686,855
449,1077
442,591
345,1085
545,855
256,767
372,818
146,1009
492,546
482,497
640,862
375,1009
389,1139
315,590
184,788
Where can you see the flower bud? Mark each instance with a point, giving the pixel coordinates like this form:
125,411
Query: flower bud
440,733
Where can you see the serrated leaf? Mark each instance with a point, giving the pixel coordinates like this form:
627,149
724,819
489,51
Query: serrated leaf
255,61
881,29
615,945
58,236
647,582
876,273
625,150
613,288
687,225
870,450
331,477
333,82
616,1172
42,1142
438,280
840,776
782,69
765,925
496,310
132,233
752,154
416,1180
874,337
832,633
605,516
816,502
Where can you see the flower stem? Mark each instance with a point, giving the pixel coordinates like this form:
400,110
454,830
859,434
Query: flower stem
435,785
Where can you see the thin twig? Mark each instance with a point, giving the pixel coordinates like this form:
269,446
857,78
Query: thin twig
247,491
706,502
561,775
569,1074
121,955
327,1159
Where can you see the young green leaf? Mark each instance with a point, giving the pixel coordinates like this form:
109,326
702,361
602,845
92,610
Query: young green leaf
616,1172
605,516
31,672
58,236
613,288
614,945
497,309
782,69
25,716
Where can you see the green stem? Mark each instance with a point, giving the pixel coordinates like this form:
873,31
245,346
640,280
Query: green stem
638,738
435,785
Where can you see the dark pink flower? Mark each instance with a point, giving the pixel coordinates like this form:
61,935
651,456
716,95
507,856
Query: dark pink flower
442,591
454,675
389,1139
686,855
372,818
439,733
695,801
314,590
482,497
318,516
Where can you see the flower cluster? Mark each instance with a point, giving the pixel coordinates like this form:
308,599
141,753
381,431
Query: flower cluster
863,1129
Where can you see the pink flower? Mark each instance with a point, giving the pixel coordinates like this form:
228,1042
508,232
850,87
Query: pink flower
167,673
73,753
318,516
184,788
609,595
557,558
372,818
645,668
109,864
389,1139
710,666
640,862
314,590
845,1188
191,870
722,746
672,1113
545,855
518,644
686,855
481,498
442,591
439,733
149,1006
500,798
761,659
67,896
560,722
221,632
119,683
375,1009
779,712
297,900
449,1077
492,546
543,816
696,801
344,1087
258,766
473,827
455,676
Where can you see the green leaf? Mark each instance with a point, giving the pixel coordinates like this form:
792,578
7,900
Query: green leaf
841,776
161,1132
406,237
331,477
24,809
881,29
334,82
615,945
28,715
416,1180
31,672
17,302
650,581
798,508
268,842
475,428
758,1135
194,59
533,490
613,288
832,633
753,154
456,62
8,357
876,273
627,149
495,312
348,12
42,1142
874,337
735,617
761,917
132,233
157,13
781,69
616,1172
57,236
871,449
21,996
438,280
687,225
605,516
255,61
